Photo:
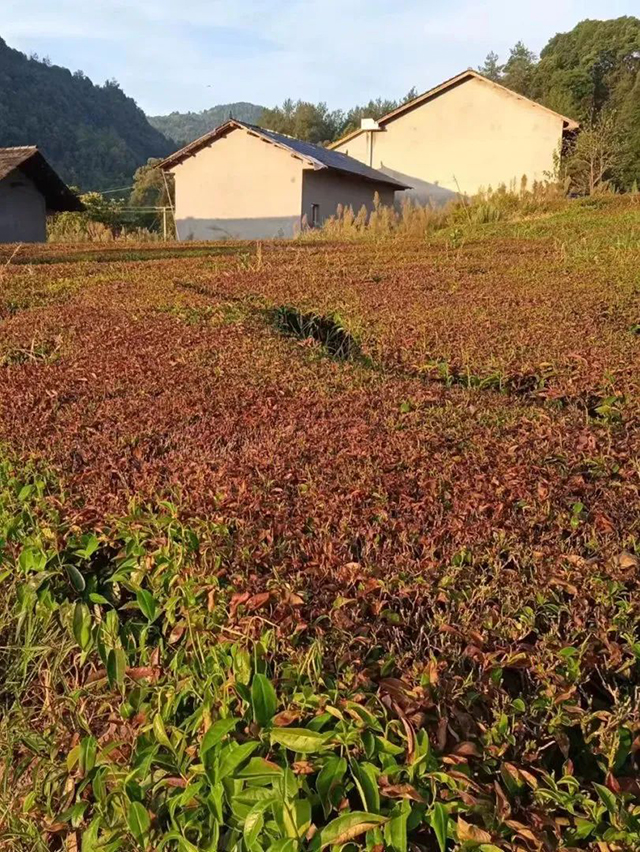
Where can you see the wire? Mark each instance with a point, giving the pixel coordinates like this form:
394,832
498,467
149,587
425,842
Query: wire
109,191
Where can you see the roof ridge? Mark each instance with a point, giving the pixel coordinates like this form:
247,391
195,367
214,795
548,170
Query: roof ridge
443,87
316,156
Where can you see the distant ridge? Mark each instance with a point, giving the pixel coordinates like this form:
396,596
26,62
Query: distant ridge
95,137
184,127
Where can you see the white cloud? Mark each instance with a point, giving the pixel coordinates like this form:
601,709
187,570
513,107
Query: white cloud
176,55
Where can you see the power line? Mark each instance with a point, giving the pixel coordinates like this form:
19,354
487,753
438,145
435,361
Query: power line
109,191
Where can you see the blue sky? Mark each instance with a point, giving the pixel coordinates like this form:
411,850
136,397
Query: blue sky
178,55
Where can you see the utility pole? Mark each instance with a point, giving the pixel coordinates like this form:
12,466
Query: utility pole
164,224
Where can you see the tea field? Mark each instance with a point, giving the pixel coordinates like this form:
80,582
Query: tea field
324,544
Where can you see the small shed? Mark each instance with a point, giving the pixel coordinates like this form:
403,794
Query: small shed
246,182
29,190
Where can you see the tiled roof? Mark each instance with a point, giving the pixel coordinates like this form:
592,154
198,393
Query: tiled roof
58,196
11,158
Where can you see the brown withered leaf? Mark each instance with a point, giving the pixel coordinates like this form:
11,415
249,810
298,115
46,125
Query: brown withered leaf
531,779
441,734
136,673
258,601
563,584
401,791
626,561
408,729
522,831
236,600
176,634
432,672
98,674
454,760
503,808
467,831
57,827
285,718
467,749
396,688
303,767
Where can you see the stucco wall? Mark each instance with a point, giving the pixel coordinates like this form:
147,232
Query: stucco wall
23,217
238,188
329,189
472,136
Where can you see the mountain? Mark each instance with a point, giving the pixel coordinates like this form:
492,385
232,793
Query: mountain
184,127
94,136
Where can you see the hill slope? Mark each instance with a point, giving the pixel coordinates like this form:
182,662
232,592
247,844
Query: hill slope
94,136
183,127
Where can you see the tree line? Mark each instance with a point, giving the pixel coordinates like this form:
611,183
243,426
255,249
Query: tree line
94,136
590,74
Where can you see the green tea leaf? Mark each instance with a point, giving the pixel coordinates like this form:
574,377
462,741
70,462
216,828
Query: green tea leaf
116,667
395,832
328,779
439,819
254,821
160,732
345,828
138,821
147,604
231,757
607,798
366,778
89,546
264,701
216,733
258,767
76,578
82,625
88,749
300,740
90,836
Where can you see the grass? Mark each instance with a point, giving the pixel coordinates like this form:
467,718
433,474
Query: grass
257,599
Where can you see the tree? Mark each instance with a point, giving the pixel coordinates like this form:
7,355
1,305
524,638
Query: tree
374,109
492,68
149,187
593,67
519,69
303,120
597,156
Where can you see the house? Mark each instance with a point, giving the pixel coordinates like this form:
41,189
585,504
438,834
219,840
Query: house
464,135
29,190
245,182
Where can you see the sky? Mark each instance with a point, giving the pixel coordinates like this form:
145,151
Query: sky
179,55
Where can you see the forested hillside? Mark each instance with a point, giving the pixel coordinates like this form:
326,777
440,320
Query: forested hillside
183,127
95,136
591,74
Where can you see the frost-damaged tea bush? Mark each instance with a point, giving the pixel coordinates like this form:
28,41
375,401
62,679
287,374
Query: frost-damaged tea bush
256,599
147,705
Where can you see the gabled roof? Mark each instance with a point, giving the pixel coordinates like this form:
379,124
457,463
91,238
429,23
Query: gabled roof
29,160
313,155
568,123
